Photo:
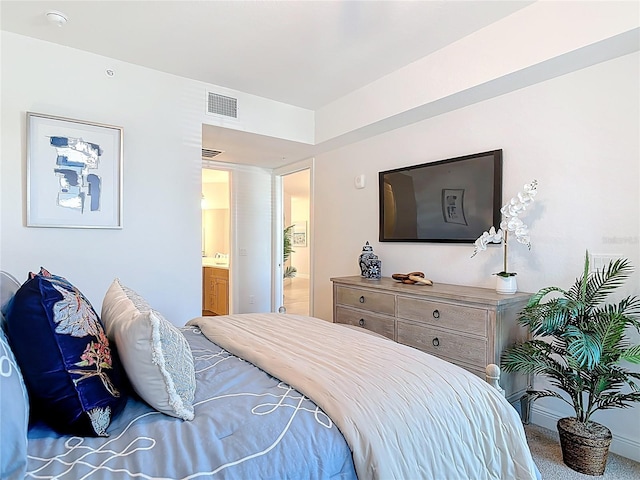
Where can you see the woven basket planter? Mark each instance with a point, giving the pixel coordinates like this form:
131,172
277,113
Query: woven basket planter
584,447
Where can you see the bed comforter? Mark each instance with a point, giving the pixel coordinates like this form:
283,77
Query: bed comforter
404,414
247,425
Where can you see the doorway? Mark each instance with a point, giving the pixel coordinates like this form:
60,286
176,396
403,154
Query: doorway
296,212
216,235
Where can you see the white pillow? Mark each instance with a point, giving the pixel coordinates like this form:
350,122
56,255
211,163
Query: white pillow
154,353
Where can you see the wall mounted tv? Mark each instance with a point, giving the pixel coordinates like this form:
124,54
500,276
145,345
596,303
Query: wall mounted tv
452,200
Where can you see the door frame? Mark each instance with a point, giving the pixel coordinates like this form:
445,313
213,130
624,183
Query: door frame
277,290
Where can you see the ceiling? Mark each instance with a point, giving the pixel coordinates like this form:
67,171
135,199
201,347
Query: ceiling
303,53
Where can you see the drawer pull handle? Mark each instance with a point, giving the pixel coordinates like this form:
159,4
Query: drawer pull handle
436,314
362,299
435,342
361,322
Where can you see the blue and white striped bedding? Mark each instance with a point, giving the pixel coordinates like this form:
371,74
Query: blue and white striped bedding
247,425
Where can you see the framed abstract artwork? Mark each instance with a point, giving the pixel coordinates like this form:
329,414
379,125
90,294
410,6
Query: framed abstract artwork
74,173
453,205
299,234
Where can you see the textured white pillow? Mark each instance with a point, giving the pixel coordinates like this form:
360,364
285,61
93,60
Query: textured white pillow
154,353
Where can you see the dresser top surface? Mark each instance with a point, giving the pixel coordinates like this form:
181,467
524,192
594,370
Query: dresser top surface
436,291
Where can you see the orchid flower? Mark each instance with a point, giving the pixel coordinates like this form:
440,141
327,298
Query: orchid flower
510,223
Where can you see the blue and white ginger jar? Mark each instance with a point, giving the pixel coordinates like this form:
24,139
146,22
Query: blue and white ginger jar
370,265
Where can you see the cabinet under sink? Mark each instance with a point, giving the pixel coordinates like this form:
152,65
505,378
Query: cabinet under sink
215,291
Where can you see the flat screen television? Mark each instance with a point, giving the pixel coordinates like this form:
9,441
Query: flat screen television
452,200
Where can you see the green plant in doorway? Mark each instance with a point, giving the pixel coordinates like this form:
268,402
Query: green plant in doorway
287,250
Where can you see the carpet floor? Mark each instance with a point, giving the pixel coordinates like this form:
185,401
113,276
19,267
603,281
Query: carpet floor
545,448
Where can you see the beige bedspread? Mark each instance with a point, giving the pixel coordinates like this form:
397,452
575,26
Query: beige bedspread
405,414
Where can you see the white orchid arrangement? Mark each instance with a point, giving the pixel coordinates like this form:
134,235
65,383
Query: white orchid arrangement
510,223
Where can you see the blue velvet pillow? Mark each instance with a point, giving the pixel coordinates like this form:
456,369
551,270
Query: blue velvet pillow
73,376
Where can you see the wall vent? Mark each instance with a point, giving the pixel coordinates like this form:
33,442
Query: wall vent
209,153
221,105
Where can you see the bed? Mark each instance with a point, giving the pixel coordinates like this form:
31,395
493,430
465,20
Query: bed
276,396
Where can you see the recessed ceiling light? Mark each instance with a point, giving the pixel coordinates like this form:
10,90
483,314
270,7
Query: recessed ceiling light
56,18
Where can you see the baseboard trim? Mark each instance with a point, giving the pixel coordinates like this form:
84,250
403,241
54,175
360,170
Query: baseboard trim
620,445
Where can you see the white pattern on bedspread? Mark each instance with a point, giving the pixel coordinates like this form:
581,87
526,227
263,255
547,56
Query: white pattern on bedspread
247,425
404,414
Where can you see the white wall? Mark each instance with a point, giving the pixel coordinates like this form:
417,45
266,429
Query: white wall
216,218
251,250
161,176
264,116
216,231
577,134
158,251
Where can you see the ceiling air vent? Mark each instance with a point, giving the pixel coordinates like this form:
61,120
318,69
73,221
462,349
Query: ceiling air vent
221,105
209,153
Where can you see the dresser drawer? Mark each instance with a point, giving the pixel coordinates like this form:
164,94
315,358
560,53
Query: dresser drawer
457,348
376,323
366,300
444,315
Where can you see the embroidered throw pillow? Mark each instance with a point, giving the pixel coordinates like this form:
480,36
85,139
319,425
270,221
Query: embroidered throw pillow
154,353
73,377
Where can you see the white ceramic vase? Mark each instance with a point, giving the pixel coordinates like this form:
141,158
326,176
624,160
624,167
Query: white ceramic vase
506,285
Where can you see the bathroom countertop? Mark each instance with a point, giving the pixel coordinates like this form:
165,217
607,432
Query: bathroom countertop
214,262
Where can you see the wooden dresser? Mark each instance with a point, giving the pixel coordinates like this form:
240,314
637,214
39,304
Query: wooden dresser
215,291
468,326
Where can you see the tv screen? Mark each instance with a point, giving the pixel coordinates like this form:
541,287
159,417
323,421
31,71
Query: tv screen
452,200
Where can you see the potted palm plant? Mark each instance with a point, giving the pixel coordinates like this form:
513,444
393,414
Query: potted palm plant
578,341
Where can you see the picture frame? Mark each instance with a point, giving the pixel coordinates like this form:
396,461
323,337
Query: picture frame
299,235
74,173
453,205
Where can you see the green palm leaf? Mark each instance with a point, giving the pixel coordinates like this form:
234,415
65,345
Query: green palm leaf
583,346
631,354
618,400
602,282
578,341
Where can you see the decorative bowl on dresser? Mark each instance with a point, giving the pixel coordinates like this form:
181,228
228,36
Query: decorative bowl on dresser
468,326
